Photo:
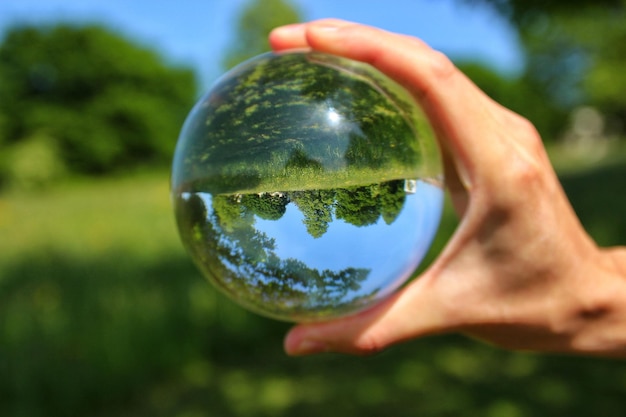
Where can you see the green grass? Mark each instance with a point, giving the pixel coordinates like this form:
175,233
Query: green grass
103,314
86,218
289,173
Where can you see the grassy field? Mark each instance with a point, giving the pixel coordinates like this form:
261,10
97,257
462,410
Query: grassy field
86,218
103,314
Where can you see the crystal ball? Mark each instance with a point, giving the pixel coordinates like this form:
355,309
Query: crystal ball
306,186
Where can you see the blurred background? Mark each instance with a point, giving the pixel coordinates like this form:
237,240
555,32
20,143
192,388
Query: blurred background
103,314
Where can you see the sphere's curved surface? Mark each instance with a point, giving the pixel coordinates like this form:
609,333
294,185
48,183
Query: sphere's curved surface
306,186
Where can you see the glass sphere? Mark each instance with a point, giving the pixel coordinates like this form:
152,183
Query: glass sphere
306,186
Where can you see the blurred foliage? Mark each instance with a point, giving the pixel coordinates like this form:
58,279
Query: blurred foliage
520,94
598,201
257,19
32,163
103,314
575,53
102,102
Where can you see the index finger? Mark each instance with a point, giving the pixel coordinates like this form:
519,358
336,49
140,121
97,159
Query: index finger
465,120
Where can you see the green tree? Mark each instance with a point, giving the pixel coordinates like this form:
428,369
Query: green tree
392,197
105,102
317,208
521,94
575,51
357,205
230,214
256,21
268,206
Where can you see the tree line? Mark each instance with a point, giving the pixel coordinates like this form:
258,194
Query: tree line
357,205
82,99
242,261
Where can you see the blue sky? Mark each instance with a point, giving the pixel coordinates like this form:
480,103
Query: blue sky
197,32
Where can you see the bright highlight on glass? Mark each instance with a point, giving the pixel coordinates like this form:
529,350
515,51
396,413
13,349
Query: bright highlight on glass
306,186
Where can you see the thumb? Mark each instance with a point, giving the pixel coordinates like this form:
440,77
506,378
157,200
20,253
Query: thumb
412,312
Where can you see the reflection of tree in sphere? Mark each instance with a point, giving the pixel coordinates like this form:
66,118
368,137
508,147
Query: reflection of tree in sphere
294,185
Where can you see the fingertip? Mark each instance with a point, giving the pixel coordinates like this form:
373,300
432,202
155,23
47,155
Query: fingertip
288,36
297,344
353,334
328,35
298,35
290,343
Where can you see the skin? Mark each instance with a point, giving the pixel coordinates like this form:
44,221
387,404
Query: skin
520,272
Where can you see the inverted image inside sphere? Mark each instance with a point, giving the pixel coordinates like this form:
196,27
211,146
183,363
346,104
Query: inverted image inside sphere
306,186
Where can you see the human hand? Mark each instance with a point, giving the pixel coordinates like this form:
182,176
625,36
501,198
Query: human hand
519,271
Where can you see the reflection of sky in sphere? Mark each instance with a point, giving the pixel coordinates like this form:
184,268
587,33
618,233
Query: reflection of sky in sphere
392,252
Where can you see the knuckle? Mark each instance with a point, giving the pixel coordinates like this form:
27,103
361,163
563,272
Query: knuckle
527,167
524,172
438,70
441,67
527,186
523,182
526,129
